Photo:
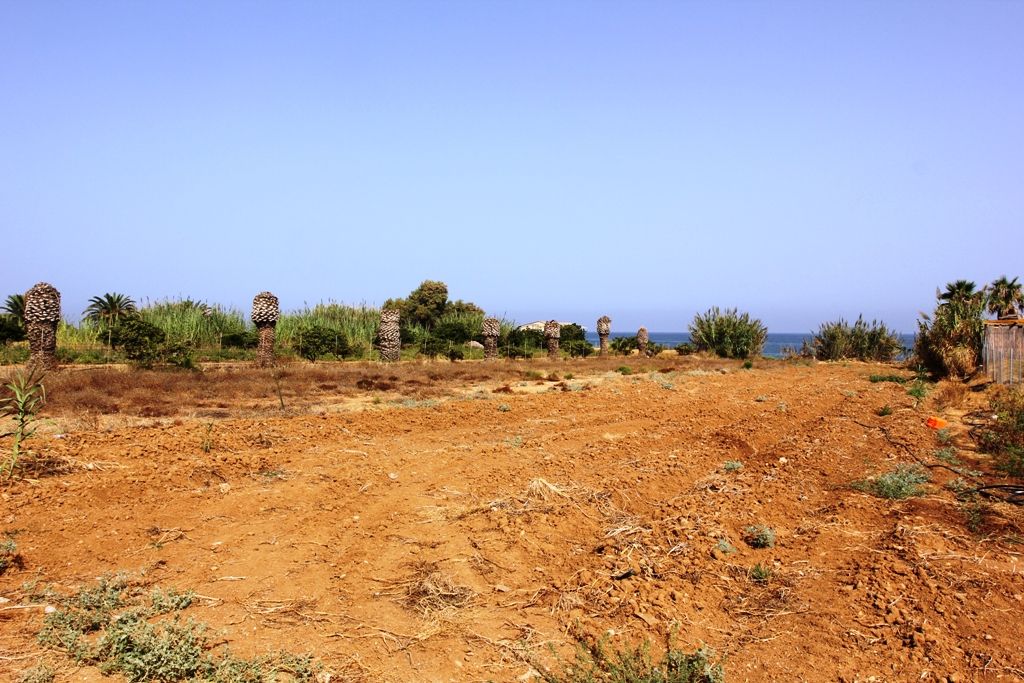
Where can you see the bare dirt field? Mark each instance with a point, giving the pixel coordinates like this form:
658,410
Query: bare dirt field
463,522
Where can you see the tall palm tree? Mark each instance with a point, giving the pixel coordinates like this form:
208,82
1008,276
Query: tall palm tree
492,330
604,328
1005,298
552,332
42,313
109,308
266,310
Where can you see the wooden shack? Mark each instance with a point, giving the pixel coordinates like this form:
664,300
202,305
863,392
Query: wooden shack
1003,352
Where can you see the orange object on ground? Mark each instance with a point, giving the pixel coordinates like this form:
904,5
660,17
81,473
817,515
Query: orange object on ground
936,423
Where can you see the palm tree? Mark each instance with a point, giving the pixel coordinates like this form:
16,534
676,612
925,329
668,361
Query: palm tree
15,306
42,313
1005,298
109,308
266,310
959,291
604,328
552,332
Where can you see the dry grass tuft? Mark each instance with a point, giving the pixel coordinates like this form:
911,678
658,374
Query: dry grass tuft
431,590
543,490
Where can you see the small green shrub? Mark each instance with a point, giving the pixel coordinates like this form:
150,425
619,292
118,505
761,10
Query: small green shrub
596,663
40,673
723,545
760,574
624,370
759,536
947,455
918,390
8,554
884,411
874,379
685,349
504,408
903,482
728,334
732,465
944,436
748,364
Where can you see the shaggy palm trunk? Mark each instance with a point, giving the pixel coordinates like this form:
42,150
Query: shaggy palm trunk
552,333
42,313
642,339
390,335
604,328
265,312
492,328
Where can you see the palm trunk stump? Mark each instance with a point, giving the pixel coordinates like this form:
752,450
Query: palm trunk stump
604,328
42,313
390,335
492,328
265,312
552,333
642,339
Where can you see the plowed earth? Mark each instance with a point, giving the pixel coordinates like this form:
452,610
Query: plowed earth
456,538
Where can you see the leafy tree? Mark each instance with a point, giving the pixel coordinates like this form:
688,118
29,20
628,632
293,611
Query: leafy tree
424,305
1005,298
573,340
109,308
10,329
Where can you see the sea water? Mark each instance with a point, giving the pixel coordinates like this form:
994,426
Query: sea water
773,345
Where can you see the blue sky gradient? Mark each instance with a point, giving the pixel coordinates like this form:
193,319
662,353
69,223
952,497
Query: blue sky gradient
646,160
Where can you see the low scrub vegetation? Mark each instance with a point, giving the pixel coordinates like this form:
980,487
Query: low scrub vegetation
728,333
903,482
1004,437
860,341
597,662
112,626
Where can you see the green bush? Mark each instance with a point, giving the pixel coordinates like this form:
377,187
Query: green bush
839,340
728,334
685,349
317,341
144,344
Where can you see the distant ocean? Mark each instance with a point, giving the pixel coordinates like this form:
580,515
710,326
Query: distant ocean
773,346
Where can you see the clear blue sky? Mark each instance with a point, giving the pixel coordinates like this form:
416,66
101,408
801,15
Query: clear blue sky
547,159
